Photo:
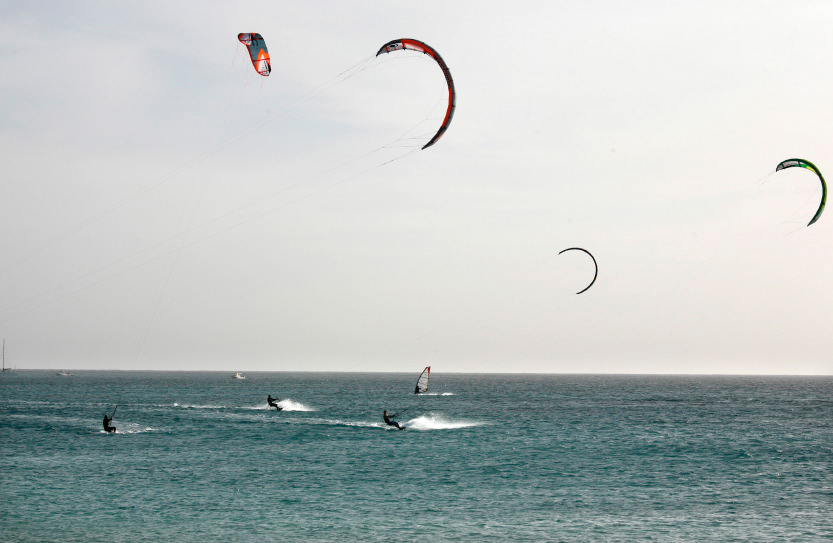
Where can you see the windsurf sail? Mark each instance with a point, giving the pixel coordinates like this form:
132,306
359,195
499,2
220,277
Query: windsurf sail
422,382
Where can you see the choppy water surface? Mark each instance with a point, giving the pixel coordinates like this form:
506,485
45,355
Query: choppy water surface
201,457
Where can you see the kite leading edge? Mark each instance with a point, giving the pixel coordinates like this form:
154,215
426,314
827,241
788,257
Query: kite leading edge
595,274
416,45
801,163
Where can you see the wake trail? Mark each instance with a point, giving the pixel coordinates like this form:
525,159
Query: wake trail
438,422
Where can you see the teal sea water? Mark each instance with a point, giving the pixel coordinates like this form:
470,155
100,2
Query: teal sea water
200,457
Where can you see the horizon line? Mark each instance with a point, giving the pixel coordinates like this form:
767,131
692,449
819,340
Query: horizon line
14,370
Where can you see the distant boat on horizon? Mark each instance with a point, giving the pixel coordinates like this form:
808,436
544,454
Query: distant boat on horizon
238,375
64,373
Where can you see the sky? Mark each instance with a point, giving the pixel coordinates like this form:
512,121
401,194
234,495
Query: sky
167,208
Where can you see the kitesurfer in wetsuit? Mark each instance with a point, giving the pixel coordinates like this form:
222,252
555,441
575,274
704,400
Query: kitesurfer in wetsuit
389,420
107,428
271,401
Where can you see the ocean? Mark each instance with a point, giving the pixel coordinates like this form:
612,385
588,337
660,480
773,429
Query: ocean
200,457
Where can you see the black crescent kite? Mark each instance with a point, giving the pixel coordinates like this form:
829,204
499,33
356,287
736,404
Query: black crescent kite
595,274
416,45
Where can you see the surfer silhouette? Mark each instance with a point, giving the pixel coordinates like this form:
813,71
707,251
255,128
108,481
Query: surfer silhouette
107,428
271,401
389,420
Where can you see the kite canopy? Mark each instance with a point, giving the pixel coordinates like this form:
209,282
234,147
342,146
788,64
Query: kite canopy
595,274
257,51
801,163
416,45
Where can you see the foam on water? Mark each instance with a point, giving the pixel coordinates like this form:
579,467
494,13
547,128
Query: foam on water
356,424
55,421
285,404
194,406
424,422
341,422
259,407
291,405
438,422
129,428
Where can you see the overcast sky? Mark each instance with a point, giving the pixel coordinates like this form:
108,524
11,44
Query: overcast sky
165,207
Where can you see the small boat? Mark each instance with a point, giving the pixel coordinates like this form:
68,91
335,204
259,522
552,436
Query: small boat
238,375
63,373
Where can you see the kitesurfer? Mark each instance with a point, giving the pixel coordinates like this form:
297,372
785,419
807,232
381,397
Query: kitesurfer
389,420
107,428
272,403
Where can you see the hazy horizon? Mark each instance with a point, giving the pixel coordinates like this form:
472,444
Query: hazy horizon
167,207
433,372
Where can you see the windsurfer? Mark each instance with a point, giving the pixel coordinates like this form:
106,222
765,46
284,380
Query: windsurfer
389,420
107,428
273,403
422,383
